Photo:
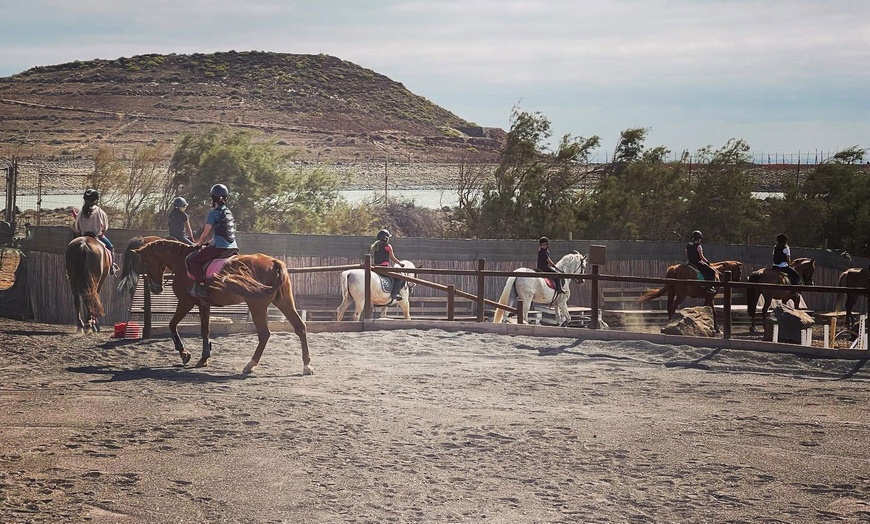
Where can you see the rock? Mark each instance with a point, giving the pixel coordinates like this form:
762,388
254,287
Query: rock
692,322
791,323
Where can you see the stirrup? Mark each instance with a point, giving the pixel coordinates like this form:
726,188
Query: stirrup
114,270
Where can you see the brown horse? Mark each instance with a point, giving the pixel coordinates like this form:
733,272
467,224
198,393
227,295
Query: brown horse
854,277
678,292
87,266
805,267
258,280
131,267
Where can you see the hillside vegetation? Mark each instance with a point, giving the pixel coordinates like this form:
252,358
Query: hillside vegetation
326,108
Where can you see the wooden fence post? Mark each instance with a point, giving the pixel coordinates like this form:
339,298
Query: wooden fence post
481,288
146,320
367,310
451,306
726,281
520,308
595,312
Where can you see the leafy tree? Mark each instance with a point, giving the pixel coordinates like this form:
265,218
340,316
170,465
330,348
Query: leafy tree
721,203
642,197
831,207
255,173
108,174
535,190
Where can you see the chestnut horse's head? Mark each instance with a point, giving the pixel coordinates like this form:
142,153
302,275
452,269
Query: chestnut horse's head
805,267
158,255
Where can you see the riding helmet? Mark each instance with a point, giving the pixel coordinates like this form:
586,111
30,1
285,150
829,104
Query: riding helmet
219,191
91,196
543,239
782,238
179,202
696,235
384,235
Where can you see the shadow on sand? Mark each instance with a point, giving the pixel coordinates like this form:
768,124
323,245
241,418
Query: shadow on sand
176,373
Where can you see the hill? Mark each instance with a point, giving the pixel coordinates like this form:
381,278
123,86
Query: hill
324,108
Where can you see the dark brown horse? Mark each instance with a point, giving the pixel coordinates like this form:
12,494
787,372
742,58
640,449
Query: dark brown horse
131,267
805,267
258,280
87,266
678,292
854,277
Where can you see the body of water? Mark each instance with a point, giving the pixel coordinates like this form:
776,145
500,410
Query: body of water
428,198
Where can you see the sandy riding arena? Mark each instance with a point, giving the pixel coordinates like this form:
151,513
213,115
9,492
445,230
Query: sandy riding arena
426,426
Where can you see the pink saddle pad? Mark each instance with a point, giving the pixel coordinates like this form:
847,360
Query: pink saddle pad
214,267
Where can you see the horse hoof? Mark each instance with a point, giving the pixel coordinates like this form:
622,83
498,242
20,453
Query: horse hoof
185,357
202,363
248,369
307,370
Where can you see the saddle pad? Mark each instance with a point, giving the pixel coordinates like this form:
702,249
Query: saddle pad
386,284
550,283
214,267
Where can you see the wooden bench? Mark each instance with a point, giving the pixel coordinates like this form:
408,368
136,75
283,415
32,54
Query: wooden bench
163,307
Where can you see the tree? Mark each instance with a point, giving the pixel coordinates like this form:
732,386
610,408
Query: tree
721,203
535,190
141,189
255,173
108,174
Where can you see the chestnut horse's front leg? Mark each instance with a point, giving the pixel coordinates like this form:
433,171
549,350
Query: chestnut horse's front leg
204,320
181,311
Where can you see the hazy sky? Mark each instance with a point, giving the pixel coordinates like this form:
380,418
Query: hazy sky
784,75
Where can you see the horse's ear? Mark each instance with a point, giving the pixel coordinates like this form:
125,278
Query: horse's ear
577,252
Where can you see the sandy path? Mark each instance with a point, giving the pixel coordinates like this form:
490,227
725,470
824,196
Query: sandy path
427,426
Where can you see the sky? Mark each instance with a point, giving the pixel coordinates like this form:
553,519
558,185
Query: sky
789,77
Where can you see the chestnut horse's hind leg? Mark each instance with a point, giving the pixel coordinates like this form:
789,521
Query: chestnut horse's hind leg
259,314
287,305
204,319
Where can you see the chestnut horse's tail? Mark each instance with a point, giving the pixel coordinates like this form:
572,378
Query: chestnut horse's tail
752,294
652,294
244,281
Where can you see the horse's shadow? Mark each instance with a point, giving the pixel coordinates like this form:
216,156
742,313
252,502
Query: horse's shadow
176,373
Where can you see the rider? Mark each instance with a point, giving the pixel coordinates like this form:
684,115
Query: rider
782,259
220,221
545,264
695,255
382,254
179,222
93,220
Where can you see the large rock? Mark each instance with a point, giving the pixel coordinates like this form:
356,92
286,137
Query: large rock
791,322
692,322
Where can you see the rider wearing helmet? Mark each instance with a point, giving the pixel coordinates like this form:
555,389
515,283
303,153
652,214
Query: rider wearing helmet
695,255
546,264
220,222
179,222
94,221
782,259
382,255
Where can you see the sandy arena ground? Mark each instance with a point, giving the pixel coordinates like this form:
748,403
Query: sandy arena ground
426,426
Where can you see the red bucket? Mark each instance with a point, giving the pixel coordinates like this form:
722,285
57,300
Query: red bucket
120,330
133,330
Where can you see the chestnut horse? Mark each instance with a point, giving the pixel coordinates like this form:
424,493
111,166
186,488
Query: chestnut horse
258,280
854,277
130,268
87,266
805,267
678,292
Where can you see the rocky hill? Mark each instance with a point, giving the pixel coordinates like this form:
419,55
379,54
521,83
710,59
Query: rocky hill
324,108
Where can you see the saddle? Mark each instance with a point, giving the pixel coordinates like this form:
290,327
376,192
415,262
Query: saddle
698,272
214,266
387,283
788,276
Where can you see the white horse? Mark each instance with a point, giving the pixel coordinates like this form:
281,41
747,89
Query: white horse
353,283
535,289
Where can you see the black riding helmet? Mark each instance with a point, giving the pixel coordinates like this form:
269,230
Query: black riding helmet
696,235
92,196
219,192
179,202
383,235
782,238
543,239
